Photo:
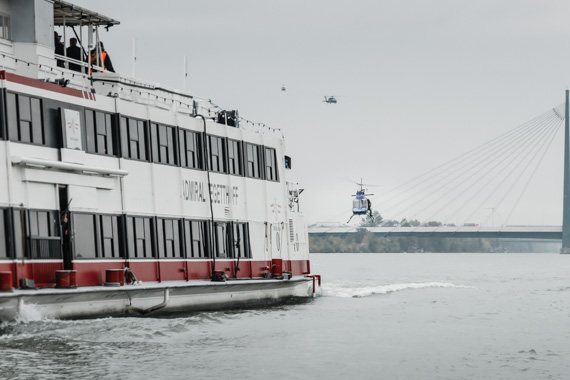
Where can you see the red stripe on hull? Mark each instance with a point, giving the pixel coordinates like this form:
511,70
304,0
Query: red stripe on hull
144,271
93,274
300,267
199,270
6,267
44,273
172,270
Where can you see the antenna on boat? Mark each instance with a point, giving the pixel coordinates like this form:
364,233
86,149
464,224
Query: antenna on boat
134,55
185,70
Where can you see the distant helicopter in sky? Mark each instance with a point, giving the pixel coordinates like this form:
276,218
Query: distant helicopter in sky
360,204
283,88
330,99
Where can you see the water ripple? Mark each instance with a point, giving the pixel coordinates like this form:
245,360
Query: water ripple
357,291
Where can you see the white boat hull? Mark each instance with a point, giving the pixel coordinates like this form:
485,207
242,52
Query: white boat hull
87,302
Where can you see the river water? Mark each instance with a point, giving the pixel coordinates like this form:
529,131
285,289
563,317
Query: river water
381,316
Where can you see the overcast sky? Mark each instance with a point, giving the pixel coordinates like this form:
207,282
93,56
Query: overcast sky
418,82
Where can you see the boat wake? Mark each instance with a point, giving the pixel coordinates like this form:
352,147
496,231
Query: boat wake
358,290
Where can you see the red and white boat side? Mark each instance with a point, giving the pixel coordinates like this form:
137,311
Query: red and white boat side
118,195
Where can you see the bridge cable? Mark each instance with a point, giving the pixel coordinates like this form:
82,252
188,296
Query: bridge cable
464,169
497,162
532,175
478,150
536,147
494,191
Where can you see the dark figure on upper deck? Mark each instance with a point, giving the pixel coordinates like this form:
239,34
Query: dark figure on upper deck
103,60
59,48
74,51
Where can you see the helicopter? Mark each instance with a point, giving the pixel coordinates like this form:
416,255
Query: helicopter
330,100
360,204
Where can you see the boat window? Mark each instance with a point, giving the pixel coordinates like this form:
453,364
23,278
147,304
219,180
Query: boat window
53,122
235,157
24,119
139,237
18,219
168,231
99,133
195,237
5,26
3,235
223,240
84,241
95,236
163,142
134,139
241,240
252,157
43,234
217,154
191,149
109,236
271,164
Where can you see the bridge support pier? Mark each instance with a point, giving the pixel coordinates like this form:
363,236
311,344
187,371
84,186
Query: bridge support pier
566,198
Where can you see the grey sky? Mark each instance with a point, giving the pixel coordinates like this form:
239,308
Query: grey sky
419,82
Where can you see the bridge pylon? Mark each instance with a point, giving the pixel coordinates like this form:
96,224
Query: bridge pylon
566,199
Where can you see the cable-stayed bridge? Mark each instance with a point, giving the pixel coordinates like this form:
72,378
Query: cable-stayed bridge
493,176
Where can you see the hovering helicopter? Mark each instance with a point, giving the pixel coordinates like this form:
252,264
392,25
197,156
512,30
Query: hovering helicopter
330,99
361,205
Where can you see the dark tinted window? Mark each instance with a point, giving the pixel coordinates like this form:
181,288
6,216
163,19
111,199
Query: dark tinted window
43,234
139,237
190,149
168,233
195,237
241,240
163,141
12,115
43,223
5,27
108,236
19,217
270,164
84,236
24,116
3,234
223,240
99,133
134,139
253,164
217,154
53,115
96,236
235,159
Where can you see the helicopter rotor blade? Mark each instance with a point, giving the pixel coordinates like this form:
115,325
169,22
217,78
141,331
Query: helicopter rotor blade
360,183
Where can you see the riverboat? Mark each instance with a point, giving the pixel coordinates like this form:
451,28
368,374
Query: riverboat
119,196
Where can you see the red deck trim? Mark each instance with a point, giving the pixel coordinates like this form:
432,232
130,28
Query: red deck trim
36,83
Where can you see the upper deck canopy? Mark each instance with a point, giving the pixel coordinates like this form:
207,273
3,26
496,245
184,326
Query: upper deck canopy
65,13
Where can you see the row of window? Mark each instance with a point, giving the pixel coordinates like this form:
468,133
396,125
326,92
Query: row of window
37,233
35,121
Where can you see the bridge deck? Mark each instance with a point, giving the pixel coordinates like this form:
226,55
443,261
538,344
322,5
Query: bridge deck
511,232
